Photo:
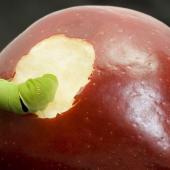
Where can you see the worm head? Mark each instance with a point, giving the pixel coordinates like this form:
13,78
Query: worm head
37,93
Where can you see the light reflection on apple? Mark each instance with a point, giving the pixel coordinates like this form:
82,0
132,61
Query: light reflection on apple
144,111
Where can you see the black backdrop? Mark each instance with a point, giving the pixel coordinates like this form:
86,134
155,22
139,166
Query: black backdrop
16,15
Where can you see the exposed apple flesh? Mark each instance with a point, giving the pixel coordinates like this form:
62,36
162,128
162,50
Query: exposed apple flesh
71,60
121,120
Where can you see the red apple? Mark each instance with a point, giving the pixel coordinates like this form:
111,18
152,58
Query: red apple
117,117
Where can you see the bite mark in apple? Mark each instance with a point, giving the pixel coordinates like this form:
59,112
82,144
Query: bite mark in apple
70,59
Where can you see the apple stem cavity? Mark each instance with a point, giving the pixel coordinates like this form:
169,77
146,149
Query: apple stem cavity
31,96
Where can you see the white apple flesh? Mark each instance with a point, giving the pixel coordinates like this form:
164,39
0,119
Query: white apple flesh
70,59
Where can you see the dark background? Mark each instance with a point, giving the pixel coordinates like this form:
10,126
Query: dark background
16,15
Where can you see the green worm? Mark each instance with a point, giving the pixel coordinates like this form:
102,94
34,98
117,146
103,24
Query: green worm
28,97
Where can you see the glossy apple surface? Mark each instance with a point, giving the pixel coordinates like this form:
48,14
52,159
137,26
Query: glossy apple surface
121,119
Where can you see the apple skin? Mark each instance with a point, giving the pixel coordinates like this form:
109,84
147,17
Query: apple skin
121,119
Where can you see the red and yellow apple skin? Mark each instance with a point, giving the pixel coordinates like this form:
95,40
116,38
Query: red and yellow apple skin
121,119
